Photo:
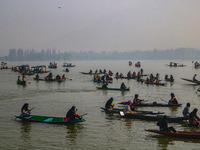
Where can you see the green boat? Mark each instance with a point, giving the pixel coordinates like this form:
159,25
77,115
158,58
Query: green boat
117,110
116,89
48,119
87,73
21,82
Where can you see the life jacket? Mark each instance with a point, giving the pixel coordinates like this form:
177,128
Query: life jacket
174,99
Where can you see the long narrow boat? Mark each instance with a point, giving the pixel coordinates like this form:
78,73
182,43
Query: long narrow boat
101,81
154,83
151,104
195,82
87,73
50,80
117,110
152,117
116,89
182,134
48,119
21,82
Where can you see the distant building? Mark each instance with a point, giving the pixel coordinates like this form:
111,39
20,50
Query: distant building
20,55
12,55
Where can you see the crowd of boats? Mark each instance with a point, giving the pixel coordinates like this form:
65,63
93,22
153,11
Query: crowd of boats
129,111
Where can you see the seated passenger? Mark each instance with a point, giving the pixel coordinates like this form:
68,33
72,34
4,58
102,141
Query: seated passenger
72,114
163,125
173,100
123,86
194,120
25,111
109,104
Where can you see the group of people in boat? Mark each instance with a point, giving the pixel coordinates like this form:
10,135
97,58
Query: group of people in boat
167,78
104,77
50,77
23,78
70,115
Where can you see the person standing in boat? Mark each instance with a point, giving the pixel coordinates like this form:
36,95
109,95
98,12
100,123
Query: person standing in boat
173,99
109,104
25,111
136,100
123,86
72,114
186,111
194,120
163,125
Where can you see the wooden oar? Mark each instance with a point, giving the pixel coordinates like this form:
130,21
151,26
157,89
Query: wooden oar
164,100
83,114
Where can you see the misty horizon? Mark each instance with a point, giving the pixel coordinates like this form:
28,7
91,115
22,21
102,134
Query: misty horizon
99,25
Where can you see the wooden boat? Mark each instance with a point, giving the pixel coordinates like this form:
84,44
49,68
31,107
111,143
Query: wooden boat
50,80
169,80
195,82
154,104
48,119
21,82
173,64
182,134
88,73
117,110
65,64
138,64
117,89
101,81
52,66
155,83
152,117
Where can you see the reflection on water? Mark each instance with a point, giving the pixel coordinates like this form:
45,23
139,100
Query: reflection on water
72,133
25,131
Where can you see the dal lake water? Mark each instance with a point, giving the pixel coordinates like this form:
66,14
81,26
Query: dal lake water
100,130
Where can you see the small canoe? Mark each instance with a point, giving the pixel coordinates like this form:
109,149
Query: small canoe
175,65
52,67
68,65
154,104
152,117
48,119
87,73
117,110
117,89
182,134
21,82
195,82
101,81
154,83
50,80
169,80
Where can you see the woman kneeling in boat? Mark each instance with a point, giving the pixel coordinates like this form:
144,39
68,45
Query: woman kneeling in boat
72,114
194,120
109,104
163,124
25,111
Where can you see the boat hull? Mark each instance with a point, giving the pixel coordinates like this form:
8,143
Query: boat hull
182,134
48,119
116,89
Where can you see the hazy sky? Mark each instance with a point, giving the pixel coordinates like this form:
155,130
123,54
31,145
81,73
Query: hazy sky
99,25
